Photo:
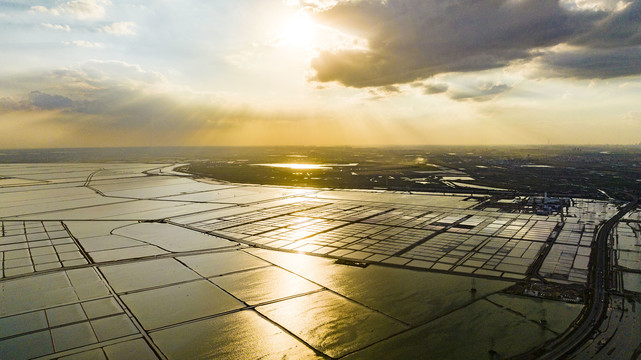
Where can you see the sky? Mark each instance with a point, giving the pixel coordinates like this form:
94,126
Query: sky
95,73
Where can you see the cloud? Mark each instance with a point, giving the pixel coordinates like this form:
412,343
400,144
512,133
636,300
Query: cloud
482,92
383,92
118,104
49,102
42,9
57,27
76,87
113,95
120,28
83,43
416,39
435,88
410,40
390,89
311,5
610,49
114,72
595,5
87,8
619,29
585,63
35,101
82,9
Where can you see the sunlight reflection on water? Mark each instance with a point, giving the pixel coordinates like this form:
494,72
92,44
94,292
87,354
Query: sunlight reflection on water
304,166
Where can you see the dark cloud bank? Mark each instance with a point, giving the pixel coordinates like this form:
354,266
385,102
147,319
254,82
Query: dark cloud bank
411,40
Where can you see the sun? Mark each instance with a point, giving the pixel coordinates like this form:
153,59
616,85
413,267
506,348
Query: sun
299,31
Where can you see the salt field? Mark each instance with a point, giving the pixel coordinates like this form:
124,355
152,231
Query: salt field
115,261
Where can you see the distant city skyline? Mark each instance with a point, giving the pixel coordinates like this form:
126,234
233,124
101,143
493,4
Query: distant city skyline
95,73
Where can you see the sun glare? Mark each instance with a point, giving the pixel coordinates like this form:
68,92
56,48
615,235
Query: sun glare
299,31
